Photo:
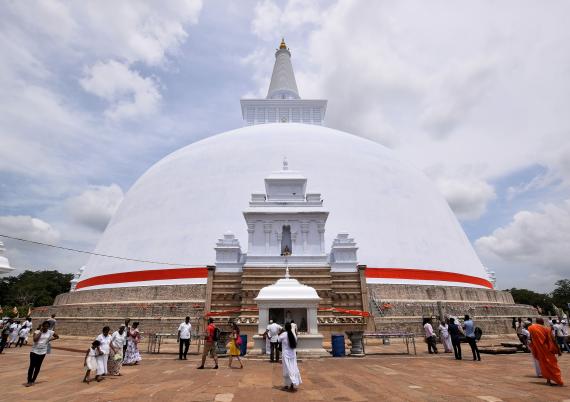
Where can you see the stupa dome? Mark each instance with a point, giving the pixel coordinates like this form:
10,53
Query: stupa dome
405,230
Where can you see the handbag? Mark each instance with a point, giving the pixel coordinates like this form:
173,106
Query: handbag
238,341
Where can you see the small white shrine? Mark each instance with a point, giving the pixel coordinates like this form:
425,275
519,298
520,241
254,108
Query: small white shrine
287,300
4,263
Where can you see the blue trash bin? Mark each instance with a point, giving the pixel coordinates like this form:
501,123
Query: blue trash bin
243,346
337,342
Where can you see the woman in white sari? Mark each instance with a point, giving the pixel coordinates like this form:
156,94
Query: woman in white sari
291,374
445,338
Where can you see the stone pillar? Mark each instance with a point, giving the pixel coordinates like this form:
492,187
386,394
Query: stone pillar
263,320
250,232
304,234
312,323
267,231
321,228
209,285
365,300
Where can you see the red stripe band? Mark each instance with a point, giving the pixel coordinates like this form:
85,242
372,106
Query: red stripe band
425,275
202,272
142,276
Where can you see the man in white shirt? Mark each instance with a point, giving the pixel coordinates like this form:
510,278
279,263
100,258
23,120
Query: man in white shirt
184,331
430,336
273,330
558,330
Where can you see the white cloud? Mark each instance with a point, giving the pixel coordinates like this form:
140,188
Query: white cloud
137,30
95,206
28,227
128,93
538,239
270,20
472,88
130,30
453,95
468,198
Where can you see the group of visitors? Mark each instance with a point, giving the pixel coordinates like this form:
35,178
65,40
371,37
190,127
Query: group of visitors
545,343
544,350
211,338
452,333
278,338
110,351
14,332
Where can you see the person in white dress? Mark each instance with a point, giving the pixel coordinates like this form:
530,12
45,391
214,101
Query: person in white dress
105,347
90,362
22,335
291,374
14,330
115,361
28,324
445,338
132,356
42,337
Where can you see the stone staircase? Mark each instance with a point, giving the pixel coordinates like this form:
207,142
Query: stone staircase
233,291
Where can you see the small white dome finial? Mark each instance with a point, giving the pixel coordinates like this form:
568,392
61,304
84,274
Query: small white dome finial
285,163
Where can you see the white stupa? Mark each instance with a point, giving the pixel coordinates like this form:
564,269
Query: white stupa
4,263
405,230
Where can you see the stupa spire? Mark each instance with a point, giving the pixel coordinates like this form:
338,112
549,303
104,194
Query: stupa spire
283,103
283,84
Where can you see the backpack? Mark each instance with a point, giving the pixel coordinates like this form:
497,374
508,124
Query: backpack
478,333
216,334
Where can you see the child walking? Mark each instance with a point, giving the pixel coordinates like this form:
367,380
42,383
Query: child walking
90,362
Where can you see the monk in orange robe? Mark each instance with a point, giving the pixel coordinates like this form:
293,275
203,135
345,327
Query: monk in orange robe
544,349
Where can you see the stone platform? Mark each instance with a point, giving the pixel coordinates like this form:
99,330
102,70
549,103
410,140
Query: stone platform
394,308
157,308
402,307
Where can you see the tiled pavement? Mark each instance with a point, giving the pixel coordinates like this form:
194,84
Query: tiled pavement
374,378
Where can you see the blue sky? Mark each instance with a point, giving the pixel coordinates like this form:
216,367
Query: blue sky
475,95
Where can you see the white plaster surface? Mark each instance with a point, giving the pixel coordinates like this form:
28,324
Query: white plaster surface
177,210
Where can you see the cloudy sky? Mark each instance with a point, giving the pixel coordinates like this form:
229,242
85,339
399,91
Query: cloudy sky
476,94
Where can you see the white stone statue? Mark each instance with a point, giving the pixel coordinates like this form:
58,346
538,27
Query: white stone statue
76,277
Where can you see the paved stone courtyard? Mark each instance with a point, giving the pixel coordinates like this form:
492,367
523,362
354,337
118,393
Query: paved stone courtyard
384,377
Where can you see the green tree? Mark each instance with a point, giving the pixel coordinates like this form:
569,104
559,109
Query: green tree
33,288
525,296
561,294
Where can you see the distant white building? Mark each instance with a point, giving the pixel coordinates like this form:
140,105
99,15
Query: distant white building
4,263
